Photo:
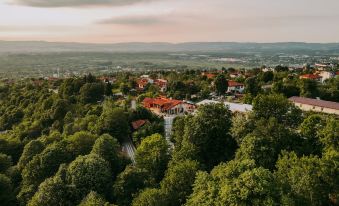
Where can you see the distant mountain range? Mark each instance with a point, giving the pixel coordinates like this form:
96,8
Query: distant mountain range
285,47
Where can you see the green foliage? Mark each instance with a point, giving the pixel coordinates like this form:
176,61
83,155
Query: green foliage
152,155
6,191
5,162
277,106
309,88
89,173
81,143
53,191
235,183
128,184
221,84
252,86
91,92
114,121
31,149
177,183
302,179
94,199
209,132
149,197
107,147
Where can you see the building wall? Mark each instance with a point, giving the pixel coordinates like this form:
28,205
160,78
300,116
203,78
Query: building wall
306,107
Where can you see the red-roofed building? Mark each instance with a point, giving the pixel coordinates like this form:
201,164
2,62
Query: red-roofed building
311,76
235,87
209,75
139,123
164,105
162,84
143,82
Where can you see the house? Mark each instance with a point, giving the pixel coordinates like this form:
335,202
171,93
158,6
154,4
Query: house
143,82
325,75
163,106
209,75
314,77
162,84
236,75
316,105
235,87
139,123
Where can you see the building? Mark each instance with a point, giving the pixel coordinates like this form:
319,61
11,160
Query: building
162,84
234,107
307,104
165,106
235,87
325,75
139,123
209,75
314,77
143,82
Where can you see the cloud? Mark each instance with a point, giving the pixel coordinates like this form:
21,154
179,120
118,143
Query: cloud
74,3
134,20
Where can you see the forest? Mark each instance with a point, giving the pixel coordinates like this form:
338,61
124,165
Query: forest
60,144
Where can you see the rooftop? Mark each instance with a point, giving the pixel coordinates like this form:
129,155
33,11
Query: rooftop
315,102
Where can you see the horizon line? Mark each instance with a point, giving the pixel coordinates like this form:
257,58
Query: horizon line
164,42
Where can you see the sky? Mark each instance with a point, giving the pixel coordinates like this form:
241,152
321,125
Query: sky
113,21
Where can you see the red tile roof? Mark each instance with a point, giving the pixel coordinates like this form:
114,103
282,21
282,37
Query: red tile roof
139,123
164,103
310,76
234,83
315,102
209,75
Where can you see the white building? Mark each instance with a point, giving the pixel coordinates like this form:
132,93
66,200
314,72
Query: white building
234,107
235,87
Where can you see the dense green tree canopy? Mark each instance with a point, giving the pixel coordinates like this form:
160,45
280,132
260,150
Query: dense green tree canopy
153,156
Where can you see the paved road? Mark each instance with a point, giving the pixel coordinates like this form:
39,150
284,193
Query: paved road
168,129
129,148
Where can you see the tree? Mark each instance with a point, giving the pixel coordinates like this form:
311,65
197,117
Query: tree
31,149
152,155
209,132
5,162
89,173
177,183
277,106
309,130
149,197
107,147
6,191
221,84
178,130
329,134
235,183
267,76
252,86
80,143
91,92
266,141
302,179
309,88
53,191
114,122
280,68
128,184
94,199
